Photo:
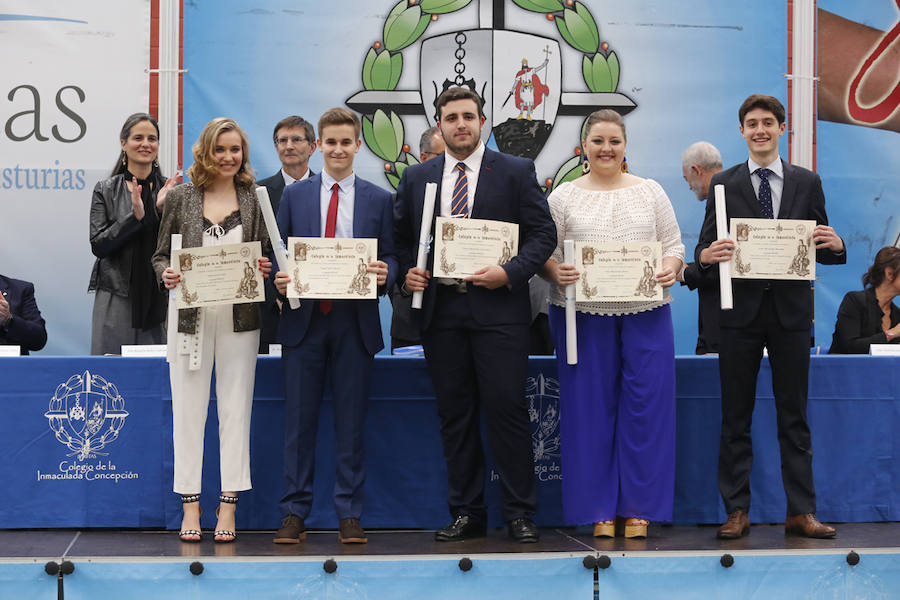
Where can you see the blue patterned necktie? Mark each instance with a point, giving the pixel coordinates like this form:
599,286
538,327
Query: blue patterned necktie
459,204
765,193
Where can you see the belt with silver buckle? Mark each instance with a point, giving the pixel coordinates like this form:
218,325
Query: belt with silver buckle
459,287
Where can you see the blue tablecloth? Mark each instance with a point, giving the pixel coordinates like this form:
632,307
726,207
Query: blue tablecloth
86,442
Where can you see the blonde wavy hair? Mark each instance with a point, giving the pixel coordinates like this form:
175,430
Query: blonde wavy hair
204,169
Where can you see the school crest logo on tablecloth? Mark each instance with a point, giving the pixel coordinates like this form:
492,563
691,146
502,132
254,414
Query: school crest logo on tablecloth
86,413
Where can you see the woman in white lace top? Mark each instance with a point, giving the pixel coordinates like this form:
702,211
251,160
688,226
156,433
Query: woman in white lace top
618,403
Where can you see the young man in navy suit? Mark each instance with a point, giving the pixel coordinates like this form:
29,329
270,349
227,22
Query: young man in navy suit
331,339
21,323
295,141
476,332
774,314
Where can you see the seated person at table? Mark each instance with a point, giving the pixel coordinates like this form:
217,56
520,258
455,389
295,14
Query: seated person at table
869,316
21,323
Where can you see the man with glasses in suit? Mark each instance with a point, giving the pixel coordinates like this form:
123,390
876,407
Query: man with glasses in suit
295,141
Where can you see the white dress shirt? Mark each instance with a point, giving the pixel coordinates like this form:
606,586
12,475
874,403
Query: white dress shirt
448,181
346,197
776,181
288,180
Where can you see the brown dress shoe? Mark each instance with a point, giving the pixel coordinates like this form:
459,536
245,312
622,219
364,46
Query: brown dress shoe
351,532
292,531
737,525
808,526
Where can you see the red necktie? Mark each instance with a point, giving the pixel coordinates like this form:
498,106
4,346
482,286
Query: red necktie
330,227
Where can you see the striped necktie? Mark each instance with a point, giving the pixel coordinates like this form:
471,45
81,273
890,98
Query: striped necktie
459,205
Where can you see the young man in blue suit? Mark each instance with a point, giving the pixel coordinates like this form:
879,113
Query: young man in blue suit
21,323
331,339
476,332
775,314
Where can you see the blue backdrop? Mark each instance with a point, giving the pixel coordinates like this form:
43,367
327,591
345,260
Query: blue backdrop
685,66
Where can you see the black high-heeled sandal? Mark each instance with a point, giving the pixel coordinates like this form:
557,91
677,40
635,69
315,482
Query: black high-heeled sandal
187,535
224,532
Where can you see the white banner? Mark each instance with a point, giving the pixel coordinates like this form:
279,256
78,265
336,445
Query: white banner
70,75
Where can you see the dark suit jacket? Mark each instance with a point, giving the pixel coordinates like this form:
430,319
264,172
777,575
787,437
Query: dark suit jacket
269,310
27,328
708,305
299,215
275,186
859,323
801,198
507,190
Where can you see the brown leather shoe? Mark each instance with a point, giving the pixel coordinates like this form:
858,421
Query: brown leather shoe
292,531
808,526
737,525
351,532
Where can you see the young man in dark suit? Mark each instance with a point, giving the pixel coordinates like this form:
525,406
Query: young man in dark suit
774,314
331,339
21,323
475,332
295,142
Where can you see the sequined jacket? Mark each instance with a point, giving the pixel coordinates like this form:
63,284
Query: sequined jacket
183,213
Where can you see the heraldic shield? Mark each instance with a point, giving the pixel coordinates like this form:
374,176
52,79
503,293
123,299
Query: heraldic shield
79,412
518,75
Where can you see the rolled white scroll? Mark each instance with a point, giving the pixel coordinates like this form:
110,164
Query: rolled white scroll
722,232
571,333
281,255
425,236
172,319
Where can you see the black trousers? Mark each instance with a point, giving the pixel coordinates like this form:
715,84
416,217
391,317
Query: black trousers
740,352
477,369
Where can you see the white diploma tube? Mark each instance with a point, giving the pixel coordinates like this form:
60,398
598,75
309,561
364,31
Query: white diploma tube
281,255
172,319
571,334
425,235
722,232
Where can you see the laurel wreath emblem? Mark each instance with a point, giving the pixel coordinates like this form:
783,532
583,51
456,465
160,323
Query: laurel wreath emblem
383,132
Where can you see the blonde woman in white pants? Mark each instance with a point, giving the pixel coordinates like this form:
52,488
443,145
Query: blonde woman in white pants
218,207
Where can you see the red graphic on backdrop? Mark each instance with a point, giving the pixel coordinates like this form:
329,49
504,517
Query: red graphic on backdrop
883,109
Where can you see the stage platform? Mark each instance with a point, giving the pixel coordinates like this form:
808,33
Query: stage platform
673,562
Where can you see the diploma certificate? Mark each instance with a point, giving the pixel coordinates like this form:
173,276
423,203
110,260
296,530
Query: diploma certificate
773,249
464,246
618,271
332,268
227,274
